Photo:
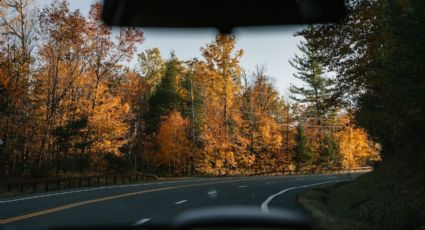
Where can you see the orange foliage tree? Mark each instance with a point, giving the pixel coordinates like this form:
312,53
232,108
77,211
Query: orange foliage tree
356,148
69,103
173,143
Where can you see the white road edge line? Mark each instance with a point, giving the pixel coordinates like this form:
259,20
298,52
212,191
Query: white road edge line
97,188
142,221
271,182
180,202
242,186
70,192
53,194
264,205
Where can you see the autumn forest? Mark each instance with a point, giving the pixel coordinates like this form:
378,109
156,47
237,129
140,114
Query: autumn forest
71,105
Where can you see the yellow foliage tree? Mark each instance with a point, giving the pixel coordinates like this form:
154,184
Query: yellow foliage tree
356,148
219,77
108,123
174,144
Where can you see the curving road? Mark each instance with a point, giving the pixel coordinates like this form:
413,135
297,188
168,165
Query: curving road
153,203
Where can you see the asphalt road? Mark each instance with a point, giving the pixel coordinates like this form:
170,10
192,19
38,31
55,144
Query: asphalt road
151,203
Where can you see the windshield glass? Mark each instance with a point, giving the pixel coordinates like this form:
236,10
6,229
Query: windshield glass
104,126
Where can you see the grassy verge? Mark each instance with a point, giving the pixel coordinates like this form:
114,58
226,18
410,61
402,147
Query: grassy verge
392,197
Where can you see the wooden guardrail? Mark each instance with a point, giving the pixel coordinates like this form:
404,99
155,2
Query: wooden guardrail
33,185
48,184
311,171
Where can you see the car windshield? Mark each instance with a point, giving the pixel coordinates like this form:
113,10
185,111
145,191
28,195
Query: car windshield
128,126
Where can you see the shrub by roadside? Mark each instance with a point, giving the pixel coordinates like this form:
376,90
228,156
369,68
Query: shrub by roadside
389,198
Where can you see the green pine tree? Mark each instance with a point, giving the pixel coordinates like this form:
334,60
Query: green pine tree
303,154
166,97
330,155
318,90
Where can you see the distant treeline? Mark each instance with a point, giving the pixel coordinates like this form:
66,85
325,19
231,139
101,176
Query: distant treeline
70,105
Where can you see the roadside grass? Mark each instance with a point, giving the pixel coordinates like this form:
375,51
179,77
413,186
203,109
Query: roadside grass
392,197
315,202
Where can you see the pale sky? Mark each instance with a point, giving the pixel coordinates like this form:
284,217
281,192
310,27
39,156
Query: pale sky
272,47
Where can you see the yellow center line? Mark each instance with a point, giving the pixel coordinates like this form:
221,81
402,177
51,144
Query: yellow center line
81,203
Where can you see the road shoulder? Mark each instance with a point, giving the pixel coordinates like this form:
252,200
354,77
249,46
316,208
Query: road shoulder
314,202
388,198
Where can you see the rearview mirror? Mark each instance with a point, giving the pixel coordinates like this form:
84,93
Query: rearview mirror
221,14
